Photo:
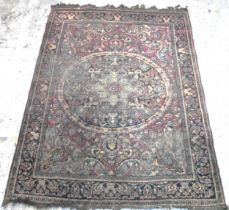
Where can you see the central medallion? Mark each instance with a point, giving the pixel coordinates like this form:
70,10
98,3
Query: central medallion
114,90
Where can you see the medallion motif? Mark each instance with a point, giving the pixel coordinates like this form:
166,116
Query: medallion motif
118,90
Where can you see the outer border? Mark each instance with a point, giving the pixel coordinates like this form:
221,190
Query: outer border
205,115
8,192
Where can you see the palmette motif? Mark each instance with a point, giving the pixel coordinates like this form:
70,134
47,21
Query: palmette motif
116,113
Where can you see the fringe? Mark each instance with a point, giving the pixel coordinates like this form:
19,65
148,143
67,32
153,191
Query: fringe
89,205
120,7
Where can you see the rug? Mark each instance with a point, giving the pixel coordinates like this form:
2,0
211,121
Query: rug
116,116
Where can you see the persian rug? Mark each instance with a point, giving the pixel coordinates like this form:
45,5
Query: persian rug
116,116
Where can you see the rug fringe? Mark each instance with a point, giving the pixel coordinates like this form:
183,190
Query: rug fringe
106,206
120,7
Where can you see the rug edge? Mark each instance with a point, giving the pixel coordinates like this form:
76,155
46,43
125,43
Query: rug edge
110,205
120,7
8,195
205,112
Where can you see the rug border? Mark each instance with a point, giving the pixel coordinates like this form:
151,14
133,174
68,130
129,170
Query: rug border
10,197
11,177
204,109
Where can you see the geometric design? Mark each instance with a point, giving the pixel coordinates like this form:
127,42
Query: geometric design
120,99
118,89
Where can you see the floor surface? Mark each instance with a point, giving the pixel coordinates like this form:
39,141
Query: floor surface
22,26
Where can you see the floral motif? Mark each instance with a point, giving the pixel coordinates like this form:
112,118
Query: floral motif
115,90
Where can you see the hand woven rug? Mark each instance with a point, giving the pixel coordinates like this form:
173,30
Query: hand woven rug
116,116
